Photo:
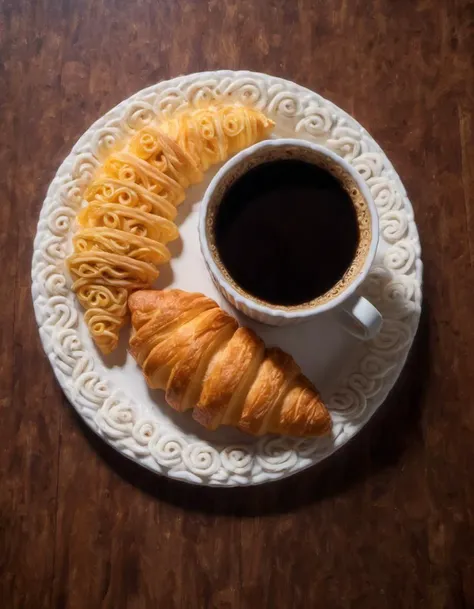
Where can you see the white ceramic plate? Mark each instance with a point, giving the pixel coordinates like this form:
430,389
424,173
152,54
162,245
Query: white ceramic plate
110,393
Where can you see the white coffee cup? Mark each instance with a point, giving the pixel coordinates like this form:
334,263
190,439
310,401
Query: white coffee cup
355,312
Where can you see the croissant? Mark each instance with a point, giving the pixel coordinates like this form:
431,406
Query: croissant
188,346
131,207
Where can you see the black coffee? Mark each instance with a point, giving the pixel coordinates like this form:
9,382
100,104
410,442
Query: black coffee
286,231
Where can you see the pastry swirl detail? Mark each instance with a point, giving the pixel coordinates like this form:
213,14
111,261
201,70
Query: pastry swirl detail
131,205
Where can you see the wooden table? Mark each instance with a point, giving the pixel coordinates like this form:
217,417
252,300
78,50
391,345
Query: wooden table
388,522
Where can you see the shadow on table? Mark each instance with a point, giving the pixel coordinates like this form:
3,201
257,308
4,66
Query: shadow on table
381,444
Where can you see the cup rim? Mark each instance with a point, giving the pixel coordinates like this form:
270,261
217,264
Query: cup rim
276,310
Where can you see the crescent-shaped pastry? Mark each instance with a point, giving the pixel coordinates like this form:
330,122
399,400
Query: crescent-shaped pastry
189,347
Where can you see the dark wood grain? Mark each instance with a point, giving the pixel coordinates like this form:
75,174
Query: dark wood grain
387,523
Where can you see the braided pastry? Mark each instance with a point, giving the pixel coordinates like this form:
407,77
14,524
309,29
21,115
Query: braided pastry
188,346
131,206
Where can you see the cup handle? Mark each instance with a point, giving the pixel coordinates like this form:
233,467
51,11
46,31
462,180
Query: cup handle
360,318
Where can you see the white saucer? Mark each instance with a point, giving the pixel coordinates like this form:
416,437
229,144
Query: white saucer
110,393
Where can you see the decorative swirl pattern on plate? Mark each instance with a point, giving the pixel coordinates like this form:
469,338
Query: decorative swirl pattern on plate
394,285
401,257
276,454
317,121
237,459
201,459
348,403
137,115
393,226
168,449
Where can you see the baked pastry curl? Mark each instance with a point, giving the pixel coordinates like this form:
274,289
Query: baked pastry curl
114,241
128,220
106,312
131,205
189,347
165,155
127,167
109,190
212,134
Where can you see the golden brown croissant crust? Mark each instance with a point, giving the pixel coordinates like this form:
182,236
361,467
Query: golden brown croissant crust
188,346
